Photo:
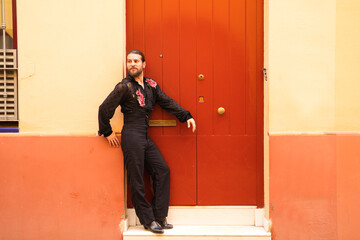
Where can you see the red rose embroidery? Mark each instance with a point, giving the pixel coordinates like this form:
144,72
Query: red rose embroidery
140,98
151,82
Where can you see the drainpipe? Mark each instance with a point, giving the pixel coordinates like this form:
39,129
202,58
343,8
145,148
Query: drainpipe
3,26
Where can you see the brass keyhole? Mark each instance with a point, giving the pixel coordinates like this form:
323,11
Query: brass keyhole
201,76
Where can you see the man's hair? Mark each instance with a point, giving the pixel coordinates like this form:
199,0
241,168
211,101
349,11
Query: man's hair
135,51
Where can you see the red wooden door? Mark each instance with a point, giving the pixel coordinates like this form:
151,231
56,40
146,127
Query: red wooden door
222,164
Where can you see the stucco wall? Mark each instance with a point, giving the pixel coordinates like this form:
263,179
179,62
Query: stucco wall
347,78
70,57
60,188
313,49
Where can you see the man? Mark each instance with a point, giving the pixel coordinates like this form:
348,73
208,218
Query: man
137,96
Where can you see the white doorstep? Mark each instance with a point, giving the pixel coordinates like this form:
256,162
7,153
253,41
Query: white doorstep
206,215
200,232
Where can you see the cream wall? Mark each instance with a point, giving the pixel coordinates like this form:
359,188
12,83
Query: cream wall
312,53
313,57
71,56
301,63
347,70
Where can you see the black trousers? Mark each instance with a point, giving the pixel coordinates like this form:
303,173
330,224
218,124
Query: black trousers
141,152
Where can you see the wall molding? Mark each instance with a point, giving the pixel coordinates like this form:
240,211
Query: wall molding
312,133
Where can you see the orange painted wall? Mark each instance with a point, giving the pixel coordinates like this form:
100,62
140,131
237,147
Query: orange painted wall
348,186
315,187
60,188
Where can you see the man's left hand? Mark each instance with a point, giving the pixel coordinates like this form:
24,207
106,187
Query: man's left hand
191,121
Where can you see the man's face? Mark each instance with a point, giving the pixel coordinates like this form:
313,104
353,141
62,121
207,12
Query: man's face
134,65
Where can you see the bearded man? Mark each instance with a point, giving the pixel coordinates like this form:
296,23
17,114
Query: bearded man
137,96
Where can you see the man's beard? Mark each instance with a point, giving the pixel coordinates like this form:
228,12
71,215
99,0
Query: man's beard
135,74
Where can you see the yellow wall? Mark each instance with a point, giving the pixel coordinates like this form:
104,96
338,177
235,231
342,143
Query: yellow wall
347,71
71,56
313,53
301,65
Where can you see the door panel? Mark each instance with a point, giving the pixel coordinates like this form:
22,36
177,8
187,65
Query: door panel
237,58
164,52
227,176
204,66
170,52
250,63
221,67
187,63
226,150
179,153
138,16
152,36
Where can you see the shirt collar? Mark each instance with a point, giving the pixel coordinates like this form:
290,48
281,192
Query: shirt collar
133,80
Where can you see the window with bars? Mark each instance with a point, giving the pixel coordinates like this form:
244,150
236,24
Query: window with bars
8,85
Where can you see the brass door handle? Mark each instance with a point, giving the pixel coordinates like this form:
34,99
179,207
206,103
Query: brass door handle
201,76
221,110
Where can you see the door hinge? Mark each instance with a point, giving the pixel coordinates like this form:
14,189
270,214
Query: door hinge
265,74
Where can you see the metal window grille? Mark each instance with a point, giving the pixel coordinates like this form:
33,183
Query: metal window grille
8,85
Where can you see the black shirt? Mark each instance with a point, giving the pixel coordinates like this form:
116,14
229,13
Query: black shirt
133,98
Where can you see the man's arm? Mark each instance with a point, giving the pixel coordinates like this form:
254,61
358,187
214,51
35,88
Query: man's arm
107,110
172,107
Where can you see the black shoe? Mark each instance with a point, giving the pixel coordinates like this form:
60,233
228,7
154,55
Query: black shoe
154,227
164,224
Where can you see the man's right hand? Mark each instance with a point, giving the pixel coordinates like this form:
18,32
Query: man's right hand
113,140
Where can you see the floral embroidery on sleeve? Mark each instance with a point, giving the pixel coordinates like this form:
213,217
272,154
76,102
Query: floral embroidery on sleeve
140,98
151,82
